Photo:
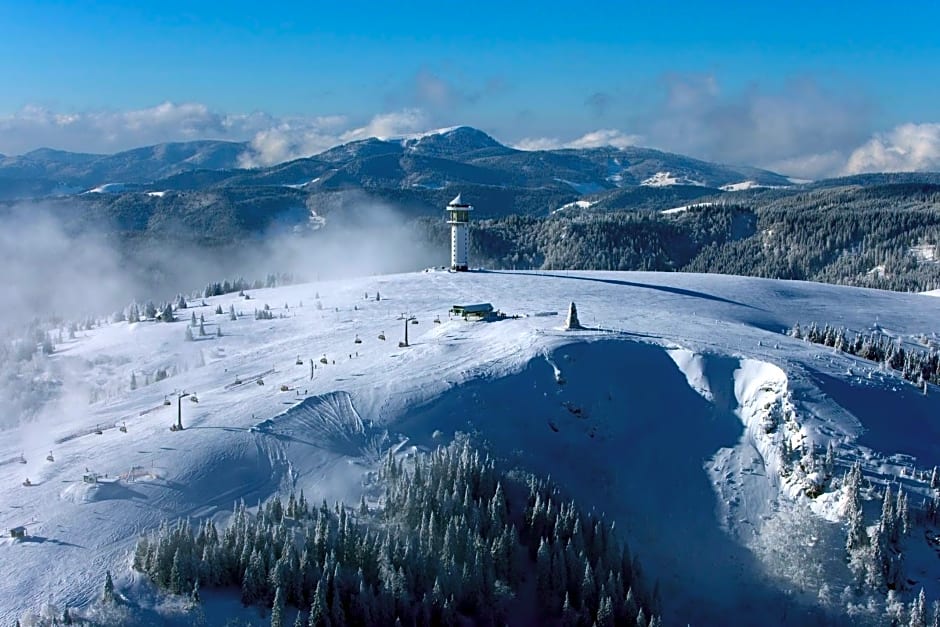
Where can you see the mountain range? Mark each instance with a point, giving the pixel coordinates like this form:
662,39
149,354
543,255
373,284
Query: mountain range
592,208
458,157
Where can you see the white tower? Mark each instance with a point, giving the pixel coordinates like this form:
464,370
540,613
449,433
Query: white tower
458,217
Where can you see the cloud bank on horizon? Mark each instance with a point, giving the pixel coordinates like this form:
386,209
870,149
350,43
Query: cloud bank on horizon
800,129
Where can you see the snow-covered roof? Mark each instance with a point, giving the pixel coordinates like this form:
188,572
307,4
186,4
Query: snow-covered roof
458,202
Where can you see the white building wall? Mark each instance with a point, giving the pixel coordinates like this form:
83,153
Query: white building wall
459,246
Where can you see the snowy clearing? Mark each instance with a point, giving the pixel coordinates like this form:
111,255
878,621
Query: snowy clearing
663,179
675,210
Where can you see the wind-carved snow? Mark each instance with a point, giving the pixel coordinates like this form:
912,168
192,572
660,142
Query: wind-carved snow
749,474
329,422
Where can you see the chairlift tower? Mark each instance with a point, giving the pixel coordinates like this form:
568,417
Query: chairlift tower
458,217
408,319
179,409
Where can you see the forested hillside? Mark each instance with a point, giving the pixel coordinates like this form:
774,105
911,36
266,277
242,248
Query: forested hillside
884,236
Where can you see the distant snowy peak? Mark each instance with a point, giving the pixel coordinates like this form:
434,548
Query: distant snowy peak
664,179
414,138
452,142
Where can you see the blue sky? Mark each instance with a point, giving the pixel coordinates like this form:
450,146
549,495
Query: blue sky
711,81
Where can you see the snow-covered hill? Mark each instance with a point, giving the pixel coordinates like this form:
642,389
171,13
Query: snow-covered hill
676,412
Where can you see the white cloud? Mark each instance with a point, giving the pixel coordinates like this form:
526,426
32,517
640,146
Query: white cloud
605,137
799,123
433,91
799,130
387,125
271,140
810,166
538,143
292,139
110,131
302,137
594,139
908,147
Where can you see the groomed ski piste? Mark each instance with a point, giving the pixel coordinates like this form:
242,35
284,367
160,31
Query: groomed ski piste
656,414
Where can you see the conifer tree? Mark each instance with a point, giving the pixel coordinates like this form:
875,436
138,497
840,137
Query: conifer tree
107,595
918,613
277,610
176,578
857,537
319,613
194,597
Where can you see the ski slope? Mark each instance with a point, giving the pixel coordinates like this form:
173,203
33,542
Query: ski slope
654,414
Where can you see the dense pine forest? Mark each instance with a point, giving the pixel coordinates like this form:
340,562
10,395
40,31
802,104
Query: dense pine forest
884,236
451,537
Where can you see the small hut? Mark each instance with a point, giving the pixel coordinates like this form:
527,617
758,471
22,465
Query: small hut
478,312
18,532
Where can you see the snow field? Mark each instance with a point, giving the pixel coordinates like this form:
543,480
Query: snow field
660,421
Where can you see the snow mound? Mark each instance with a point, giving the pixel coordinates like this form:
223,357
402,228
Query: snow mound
329,422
